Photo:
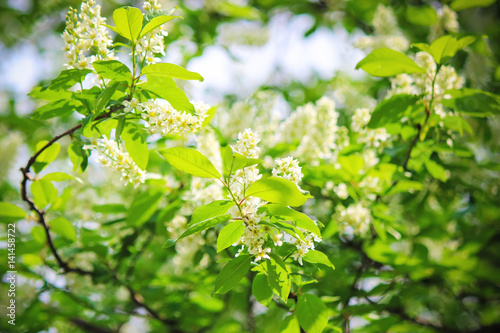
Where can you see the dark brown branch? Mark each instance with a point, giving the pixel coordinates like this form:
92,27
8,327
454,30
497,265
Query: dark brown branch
139,301
41,213
89,327
405,316
412,145
136,299
352,291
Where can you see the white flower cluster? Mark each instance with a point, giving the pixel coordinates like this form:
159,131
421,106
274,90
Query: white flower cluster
340,190
386,34
355,218
446,22
186,247
315,127
371,186
84,33
243,178
256,234
162,118
417,84
288,168
153,43
115,157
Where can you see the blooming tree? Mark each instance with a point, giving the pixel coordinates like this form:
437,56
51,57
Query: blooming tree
358,210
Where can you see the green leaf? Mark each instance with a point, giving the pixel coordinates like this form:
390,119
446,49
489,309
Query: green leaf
422,46
261,290
190,161
234,161
78,156
301,220
290,324
458,5
62,227
10,212
233,10
98,129
113,70
466,41
385,62
50,95
144,206
278,190
58,176
109,208
380,229
421,15
135,136
87,97
317,257
391,110
155,23
128,22
436,170
104,97
311,313
229,235
210,115
473,102
278,277
443,48
170,70
122,120
197,227
60,108
43,192
352,163
289,228
68,78
38,234
404,186
232,273
165,87
457,123
213,209
112,28
47,156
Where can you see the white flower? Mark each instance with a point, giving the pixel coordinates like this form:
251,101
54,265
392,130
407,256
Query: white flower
84,33
152,44
131,105
277,239
162,118
315,127
262,254
360,119
115,157
288,168
341,191
355,217
247,144
302,249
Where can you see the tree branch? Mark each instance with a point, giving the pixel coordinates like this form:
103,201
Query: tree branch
64,265
41,213
89,327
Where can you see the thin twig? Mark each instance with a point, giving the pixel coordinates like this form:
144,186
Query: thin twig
41,213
